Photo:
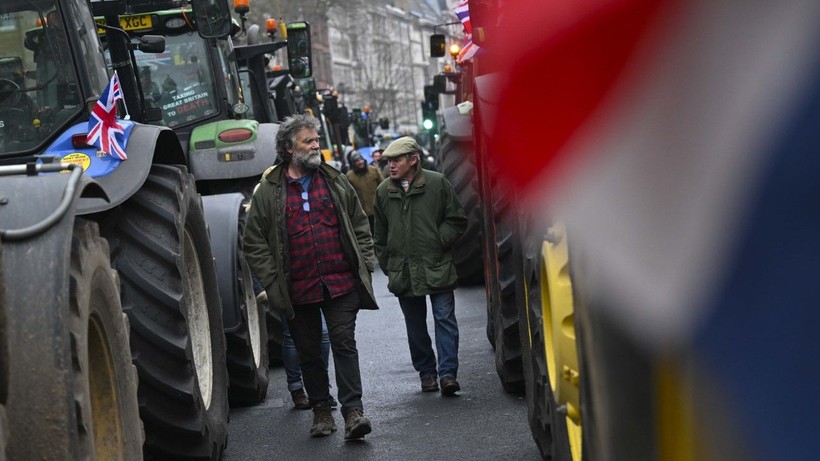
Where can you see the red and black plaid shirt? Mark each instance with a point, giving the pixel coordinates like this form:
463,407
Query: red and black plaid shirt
315,246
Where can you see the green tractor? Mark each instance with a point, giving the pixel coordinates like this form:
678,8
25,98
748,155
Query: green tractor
194,87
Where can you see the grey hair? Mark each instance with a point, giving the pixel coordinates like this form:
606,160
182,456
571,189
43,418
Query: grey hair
286,136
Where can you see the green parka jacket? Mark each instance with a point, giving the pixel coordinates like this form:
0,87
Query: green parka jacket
266,245
414,233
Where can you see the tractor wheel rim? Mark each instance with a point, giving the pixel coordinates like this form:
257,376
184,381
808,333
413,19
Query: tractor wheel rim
197,319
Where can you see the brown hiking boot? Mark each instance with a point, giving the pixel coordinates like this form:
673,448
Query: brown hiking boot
300,399
323,423
449,386
356,425
429,384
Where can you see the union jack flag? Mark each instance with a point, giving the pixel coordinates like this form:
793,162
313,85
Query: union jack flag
104,130
462,11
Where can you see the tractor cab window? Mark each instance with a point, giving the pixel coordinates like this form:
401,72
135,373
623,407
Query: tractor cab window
179,80
39,92
229,73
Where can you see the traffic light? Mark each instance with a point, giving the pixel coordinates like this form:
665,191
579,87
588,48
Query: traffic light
429,106
428,117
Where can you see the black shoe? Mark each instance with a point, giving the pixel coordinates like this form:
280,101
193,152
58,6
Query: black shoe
429,384
300,399
449,386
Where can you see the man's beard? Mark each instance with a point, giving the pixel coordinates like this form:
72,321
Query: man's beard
309,160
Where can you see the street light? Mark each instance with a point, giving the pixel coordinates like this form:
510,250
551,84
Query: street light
455,48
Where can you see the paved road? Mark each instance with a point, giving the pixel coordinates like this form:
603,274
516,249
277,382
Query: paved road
482,423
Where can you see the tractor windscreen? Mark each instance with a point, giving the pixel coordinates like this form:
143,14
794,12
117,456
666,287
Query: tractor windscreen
39,92
179,81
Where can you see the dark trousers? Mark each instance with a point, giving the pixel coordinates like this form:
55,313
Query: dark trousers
306,330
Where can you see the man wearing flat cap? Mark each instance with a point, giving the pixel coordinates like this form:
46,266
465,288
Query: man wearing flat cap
418,218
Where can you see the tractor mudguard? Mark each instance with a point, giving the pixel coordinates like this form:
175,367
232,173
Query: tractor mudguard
36,278
147,145
460,127
31,200
222,217
211,158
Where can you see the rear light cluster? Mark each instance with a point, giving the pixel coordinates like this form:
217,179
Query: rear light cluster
235,135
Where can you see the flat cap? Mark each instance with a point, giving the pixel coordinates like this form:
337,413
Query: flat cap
401,146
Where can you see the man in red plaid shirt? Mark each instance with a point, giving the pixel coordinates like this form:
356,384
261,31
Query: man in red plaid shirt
309,243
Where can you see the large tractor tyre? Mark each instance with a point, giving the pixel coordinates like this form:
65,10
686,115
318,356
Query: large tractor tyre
105,380
4,363
244,320
490,258
505,305
247,354
547,424
169,291
455,161
3,433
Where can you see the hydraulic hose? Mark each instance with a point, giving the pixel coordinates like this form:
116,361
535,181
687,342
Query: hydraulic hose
58,213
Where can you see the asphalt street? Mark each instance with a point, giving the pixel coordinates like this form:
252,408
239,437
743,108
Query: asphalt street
481,423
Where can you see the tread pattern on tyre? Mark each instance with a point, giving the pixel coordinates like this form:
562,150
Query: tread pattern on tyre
455,161
147,239
505,303
94,293
4,361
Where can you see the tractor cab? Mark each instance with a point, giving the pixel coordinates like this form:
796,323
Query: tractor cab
43,86
192,80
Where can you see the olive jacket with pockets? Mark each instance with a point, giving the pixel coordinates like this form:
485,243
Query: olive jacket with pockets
414,233
266,245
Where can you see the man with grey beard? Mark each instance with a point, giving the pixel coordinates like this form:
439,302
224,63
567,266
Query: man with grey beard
309,243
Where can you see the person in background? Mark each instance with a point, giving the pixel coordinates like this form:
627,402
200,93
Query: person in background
418,218
365,179
309,242
380,162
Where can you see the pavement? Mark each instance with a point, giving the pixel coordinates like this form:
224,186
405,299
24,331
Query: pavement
481,423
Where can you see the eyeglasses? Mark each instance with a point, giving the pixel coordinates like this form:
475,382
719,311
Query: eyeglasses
306,204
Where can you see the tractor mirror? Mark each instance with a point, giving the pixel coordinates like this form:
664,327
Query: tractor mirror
151,44
299,52
213,18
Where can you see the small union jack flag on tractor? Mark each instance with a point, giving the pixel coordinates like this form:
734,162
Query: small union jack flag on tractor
104,129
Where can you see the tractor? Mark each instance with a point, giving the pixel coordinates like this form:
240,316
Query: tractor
112,336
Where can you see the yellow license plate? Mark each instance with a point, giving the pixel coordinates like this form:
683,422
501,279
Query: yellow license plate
131,23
